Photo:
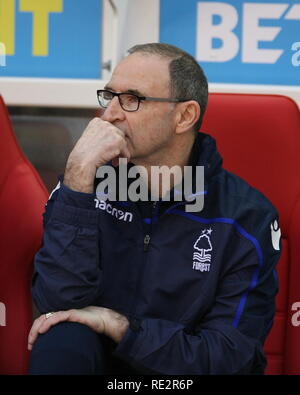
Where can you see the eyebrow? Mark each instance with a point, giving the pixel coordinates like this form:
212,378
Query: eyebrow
133,91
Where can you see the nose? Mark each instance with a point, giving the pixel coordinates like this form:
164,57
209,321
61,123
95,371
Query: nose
114,111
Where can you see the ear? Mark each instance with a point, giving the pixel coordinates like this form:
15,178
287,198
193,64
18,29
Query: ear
187,115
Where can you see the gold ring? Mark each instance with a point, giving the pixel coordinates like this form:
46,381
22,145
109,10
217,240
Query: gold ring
48,315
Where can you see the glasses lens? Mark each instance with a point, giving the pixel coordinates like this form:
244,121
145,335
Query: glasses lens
129,102
105,97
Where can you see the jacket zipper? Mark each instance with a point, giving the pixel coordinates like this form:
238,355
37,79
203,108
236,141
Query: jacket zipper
147,239
146,243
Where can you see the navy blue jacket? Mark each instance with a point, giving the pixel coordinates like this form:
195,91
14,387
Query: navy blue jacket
199,291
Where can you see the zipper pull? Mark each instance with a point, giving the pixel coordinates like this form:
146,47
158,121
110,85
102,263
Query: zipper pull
146,242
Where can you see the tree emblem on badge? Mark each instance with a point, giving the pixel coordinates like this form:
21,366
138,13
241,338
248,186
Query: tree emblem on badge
202,255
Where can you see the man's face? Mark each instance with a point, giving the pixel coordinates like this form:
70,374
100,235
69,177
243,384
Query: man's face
150,129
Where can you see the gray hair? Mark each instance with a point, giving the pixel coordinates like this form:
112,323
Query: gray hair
187,79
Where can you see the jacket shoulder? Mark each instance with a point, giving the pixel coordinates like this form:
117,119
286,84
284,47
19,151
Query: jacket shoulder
231,197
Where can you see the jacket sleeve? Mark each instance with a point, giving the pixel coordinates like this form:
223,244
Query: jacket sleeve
228,338
67,267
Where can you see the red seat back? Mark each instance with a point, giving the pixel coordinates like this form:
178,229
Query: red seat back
259,139
22,200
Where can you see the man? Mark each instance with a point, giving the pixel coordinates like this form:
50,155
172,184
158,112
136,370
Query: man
150,284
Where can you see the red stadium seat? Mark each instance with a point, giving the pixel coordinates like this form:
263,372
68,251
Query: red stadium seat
259,139
22,200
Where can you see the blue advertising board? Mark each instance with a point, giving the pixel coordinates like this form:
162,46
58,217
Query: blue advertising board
51,38
235,41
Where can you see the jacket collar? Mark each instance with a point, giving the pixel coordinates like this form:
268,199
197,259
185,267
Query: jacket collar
204,153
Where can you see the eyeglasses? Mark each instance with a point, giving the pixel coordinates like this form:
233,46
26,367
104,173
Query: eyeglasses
129,101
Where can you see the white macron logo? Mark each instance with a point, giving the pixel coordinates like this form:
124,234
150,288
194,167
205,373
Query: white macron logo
275,235
115,212
202,259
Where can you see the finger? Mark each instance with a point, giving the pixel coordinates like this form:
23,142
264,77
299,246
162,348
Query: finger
42,325
98,123
33,334
124,153
55,318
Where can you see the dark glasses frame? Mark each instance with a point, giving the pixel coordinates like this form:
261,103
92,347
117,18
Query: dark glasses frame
139,98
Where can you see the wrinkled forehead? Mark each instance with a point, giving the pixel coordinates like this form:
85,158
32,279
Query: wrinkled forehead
145,73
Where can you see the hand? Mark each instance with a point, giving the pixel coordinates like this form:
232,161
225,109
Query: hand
99,319
100,143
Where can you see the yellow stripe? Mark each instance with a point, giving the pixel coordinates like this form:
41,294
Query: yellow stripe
40,30
7,25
